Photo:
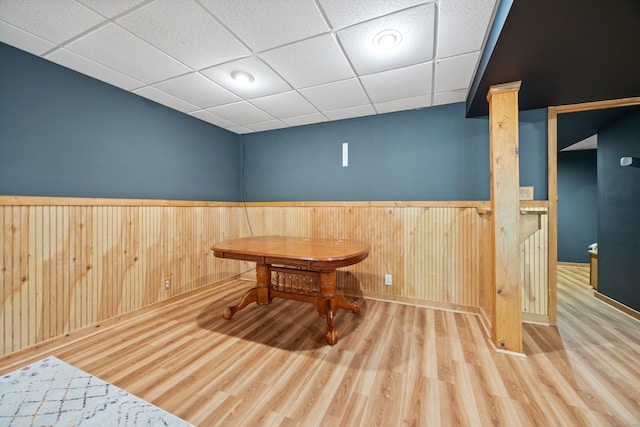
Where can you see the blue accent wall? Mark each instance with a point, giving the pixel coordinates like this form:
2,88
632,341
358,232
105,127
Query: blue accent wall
430,154
577,204
65,134
619,212
533,149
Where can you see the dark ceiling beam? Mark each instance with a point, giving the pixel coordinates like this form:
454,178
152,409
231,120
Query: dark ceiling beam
563,51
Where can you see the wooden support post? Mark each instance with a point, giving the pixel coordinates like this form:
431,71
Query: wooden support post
506,327
552,129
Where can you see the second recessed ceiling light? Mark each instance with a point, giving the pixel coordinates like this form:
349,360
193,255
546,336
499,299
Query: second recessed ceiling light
242,77
387,39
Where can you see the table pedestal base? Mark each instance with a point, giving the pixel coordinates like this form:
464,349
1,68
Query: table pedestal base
327,301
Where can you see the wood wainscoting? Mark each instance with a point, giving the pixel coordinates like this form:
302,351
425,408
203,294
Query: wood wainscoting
70,264
534,271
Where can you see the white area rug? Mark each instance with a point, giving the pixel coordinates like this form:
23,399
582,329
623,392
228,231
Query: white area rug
53,393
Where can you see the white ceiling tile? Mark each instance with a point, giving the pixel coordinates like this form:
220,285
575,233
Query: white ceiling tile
404,104
56,21
287,104
462,25
111,8
310,62
400,83
450,97
266,24
362,10
455,73
348,113
337,95
197,90
266,125
86,66
266,81
239,129
181,53
115,48
183,29
305,119
241,113
165,99
212,118
21,39
416,26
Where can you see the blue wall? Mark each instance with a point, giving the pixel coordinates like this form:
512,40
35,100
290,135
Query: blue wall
619,212
577,204
430,154
66,134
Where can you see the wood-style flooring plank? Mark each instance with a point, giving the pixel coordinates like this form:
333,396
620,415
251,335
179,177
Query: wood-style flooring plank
394,364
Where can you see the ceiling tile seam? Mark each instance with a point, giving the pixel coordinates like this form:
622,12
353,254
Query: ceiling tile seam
210,13
168,95
434,68
353,69
105,22
384,15
29,33
319,110
118,72
157,49
279,93
167,79
62,45
483,46
255,106
352,106
468,86
275,72
314,106
324,15
253,51
121,14
253,55
265,121
66,43
233,122
291,87
260,52
231,91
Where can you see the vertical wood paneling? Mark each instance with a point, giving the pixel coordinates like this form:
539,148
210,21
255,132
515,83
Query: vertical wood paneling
30,279
68,267
534,270
433,253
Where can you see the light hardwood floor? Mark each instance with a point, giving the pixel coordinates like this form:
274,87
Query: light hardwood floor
394,364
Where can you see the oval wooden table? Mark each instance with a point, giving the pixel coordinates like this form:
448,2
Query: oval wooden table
296,256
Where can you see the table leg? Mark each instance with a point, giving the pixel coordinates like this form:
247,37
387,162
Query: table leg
332,333
263,283
260,294
327,302
248,298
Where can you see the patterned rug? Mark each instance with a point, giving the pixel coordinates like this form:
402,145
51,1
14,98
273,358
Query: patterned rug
53,393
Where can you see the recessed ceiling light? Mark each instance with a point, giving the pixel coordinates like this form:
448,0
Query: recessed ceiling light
387,39
242,77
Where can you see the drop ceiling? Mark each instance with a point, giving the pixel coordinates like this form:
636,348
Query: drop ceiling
311,60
